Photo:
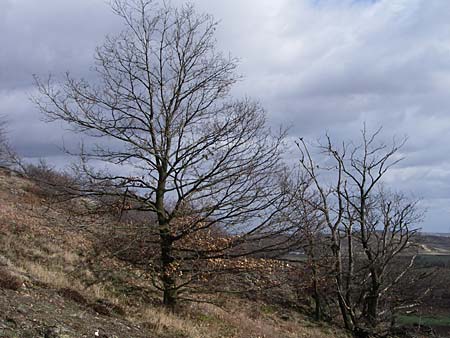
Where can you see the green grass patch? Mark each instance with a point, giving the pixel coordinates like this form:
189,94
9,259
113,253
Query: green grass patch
426,320
428,261
268,309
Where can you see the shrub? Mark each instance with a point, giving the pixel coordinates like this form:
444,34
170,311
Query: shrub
100,309
9,281
49,181
7,155
72,295
106,308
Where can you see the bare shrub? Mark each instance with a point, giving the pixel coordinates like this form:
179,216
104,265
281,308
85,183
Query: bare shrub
106,308
110,306
367,226
72,295
49,182
100,309
9,281
7,155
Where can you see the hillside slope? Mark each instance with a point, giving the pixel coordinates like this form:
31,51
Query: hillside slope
51,286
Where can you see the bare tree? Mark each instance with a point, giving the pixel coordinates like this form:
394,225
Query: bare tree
7,155
2,139
307,219
173,140
367,226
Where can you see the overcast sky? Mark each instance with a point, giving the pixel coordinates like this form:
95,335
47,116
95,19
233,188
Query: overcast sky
318,65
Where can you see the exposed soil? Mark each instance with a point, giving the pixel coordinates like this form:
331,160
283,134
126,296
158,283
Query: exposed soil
37,312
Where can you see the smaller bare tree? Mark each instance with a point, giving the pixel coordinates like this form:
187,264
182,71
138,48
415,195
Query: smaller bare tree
7,155
367,226
304,216
2,138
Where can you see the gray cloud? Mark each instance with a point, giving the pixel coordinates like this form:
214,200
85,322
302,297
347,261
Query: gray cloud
316,65
50,35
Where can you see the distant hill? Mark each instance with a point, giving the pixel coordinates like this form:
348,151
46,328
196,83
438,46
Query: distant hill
431,243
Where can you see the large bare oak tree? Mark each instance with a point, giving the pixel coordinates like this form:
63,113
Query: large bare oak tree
173,140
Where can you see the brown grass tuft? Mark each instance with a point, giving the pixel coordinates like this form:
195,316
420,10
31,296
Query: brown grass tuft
166,324
50,276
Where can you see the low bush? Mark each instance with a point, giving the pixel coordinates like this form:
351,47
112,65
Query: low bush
50,182
9,280
72,295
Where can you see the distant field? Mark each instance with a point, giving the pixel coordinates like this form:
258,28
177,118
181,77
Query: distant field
426,321
427,261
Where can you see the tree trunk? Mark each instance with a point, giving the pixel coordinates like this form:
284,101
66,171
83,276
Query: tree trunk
166,242
318,306
372,307
167,259
345,316
316,295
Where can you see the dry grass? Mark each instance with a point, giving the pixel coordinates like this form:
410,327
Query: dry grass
53,277
167,324
99,291
236,320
